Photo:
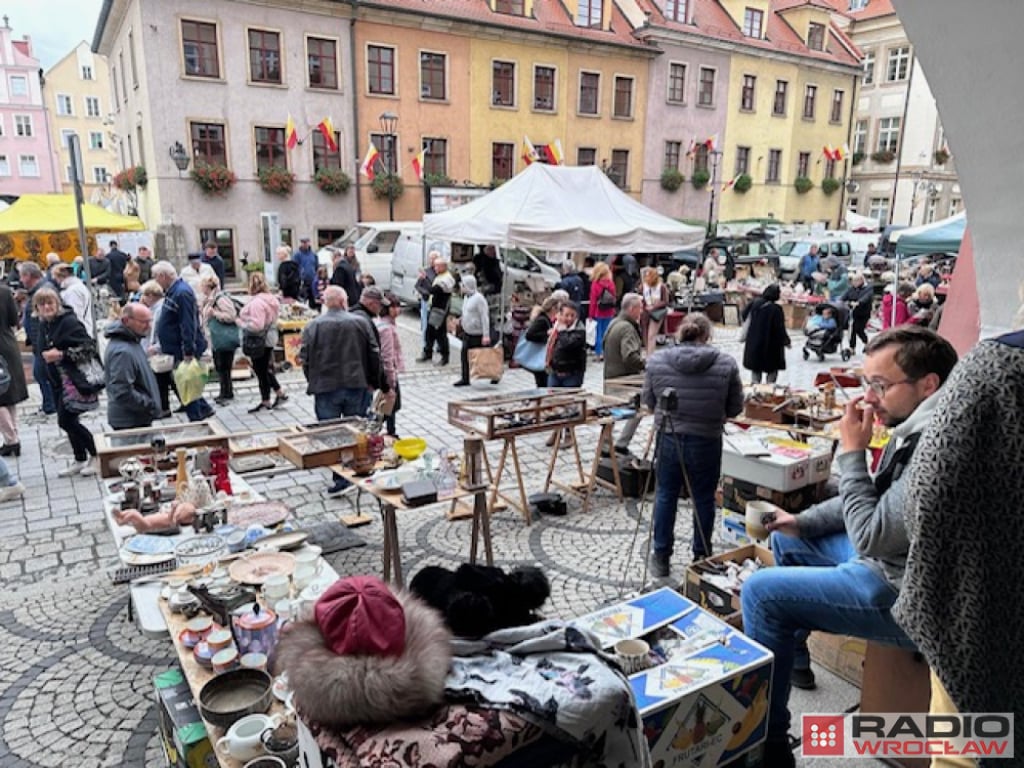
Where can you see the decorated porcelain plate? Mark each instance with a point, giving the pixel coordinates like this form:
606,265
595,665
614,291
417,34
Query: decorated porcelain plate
147,544
285,540
265,513
257,568
134,558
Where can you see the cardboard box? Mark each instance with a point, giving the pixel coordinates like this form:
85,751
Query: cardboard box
182,730
842,655
705,702
896,680
736,493
734,528
778,471
721,602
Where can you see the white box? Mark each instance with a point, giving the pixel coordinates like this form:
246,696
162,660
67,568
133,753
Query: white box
776,471
734,528
820,464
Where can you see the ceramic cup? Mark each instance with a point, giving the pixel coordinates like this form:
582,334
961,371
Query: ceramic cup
276,587
225,660
304,575
219,639
242,741
632,655
308,556
201,626
283,742
756,510
254,661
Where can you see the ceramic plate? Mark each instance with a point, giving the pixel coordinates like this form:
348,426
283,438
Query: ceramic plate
147,544
265,513
286,540
257,568
394,479
134,558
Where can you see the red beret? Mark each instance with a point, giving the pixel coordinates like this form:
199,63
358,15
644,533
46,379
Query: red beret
359,616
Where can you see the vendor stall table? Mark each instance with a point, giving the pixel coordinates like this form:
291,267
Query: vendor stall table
390,503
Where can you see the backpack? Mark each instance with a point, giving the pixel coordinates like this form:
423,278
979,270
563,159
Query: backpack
606,299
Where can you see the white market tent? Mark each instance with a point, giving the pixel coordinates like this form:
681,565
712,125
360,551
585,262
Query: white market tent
857,223
562,208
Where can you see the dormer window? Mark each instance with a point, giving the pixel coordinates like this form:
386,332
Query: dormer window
511,7
753,22
675,10
589,13
816,36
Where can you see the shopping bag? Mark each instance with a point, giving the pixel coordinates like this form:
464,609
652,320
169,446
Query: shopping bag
190,378
591,332
530,355
486,363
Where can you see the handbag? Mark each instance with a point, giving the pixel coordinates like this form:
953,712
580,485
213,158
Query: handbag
83,367
254,343
161,363
5,377
436,317
73,399
658,314
486,363
223,336
530,355
606,299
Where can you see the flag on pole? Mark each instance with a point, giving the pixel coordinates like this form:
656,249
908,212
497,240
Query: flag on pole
326,127
711,143
841,153
291,136
729,184
417,164
529,151
830,154
554,152
693,147
369,161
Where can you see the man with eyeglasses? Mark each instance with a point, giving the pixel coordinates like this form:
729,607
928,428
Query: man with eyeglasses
841,562
133,397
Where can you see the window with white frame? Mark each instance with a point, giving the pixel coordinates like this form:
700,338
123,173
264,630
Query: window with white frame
92,106
932,211
618,172
100,175
588,13
673,150
544,89
5,166
830,169
322,62
19,85
803,164
888,134
502,160
199,48
706,87
586,156
810,97
65,105
774,166
898,64
860,136
954,205
779,102
95,139
869,68
623,105
747,93
753,22
433,68
677,83
590,85
742,160
836,113
503,83
380,69
65,137
131,57
675,10
816,36
86,72
23,126
879,210
28,166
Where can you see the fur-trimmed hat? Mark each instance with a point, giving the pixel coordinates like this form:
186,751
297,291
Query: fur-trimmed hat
362,684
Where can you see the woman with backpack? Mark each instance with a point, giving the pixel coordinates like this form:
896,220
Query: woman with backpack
220,317
602,304
258,321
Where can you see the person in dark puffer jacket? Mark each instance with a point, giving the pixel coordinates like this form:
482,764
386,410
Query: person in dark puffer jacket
708,392
133,397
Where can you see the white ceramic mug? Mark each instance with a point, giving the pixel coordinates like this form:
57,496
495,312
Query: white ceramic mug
242,741
304,575
308,555
633,655
276,587
755,511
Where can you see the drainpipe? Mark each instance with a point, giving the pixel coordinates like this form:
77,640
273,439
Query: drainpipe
846,161
355,102
903,130
53,155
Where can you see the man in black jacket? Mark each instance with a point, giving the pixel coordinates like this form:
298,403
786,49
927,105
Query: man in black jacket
289,281
859,297
118,260
345,275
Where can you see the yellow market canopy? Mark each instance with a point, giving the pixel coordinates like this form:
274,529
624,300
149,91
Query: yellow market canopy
37,224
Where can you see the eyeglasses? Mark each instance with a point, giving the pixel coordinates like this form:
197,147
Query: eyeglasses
881,387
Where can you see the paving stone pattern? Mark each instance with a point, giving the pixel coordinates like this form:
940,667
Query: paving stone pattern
76,674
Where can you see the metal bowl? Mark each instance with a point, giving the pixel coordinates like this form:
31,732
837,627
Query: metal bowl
235,694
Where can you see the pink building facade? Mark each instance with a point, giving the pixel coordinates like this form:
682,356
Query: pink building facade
27,158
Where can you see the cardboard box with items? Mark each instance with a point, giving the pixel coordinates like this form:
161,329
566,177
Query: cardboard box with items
182,731
773,462
715,583
702,687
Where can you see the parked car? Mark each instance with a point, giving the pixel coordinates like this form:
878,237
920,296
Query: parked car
374,242
735,251
791,251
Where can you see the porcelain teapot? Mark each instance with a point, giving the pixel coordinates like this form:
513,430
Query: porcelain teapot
255,629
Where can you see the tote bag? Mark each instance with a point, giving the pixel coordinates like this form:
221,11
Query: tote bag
486,363
530,355
223,336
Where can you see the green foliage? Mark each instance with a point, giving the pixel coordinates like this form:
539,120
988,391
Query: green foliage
332,181
131,178
803,184
277,180
828,186
884,157
743,183
700,178
857,158
387,186
941,156
213,178
671,179
438,180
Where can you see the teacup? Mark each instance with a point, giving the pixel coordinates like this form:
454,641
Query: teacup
304,575
632,655
283,742
757,513
219,639
225,660
276,587
242,741
254,661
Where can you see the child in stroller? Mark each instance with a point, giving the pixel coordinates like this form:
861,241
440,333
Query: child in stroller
824,331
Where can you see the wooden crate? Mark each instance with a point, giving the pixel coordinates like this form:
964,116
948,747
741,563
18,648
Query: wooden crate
262,441
114,447
519,413
337,444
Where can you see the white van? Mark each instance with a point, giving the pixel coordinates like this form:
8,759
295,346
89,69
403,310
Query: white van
374,242
411,257
791,251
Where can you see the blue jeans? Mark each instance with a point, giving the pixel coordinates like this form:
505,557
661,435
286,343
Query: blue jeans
424,311
702,457
7,477
345,401
45,387
602,328
817,585
570,380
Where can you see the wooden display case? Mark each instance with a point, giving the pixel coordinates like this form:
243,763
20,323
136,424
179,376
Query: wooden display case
529,411
337,444
262,441
114,447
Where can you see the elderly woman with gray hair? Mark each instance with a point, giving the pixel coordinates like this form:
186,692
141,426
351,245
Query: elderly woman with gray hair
476,324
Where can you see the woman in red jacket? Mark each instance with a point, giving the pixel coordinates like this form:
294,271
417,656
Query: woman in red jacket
602,304
903,293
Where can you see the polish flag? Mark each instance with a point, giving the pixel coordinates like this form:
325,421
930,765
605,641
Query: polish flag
529,151
326,127
369,161
291,136
417,164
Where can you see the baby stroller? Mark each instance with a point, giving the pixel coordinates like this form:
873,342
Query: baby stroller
826,341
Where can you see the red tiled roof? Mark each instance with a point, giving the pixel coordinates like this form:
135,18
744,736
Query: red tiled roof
549,17
23,46
710,19
874,10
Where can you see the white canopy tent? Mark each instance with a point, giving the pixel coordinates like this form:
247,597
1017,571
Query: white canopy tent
562,208
857,223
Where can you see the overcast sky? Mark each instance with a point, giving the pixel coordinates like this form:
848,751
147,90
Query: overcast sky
55,26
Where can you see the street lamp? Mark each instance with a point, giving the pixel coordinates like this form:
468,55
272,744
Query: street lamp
714,155
179,156
920,184
388,123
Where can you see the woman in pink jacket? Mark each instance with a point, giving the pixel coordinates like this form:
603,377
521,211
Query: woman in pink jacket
602,304
258,320
903,293
391,354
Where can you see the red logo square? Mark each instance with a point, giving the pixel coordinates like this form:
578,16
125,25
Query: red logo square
823,736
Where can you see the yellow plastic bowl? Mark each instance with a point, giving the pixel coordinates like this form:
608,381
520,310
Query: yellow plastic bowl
410,448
